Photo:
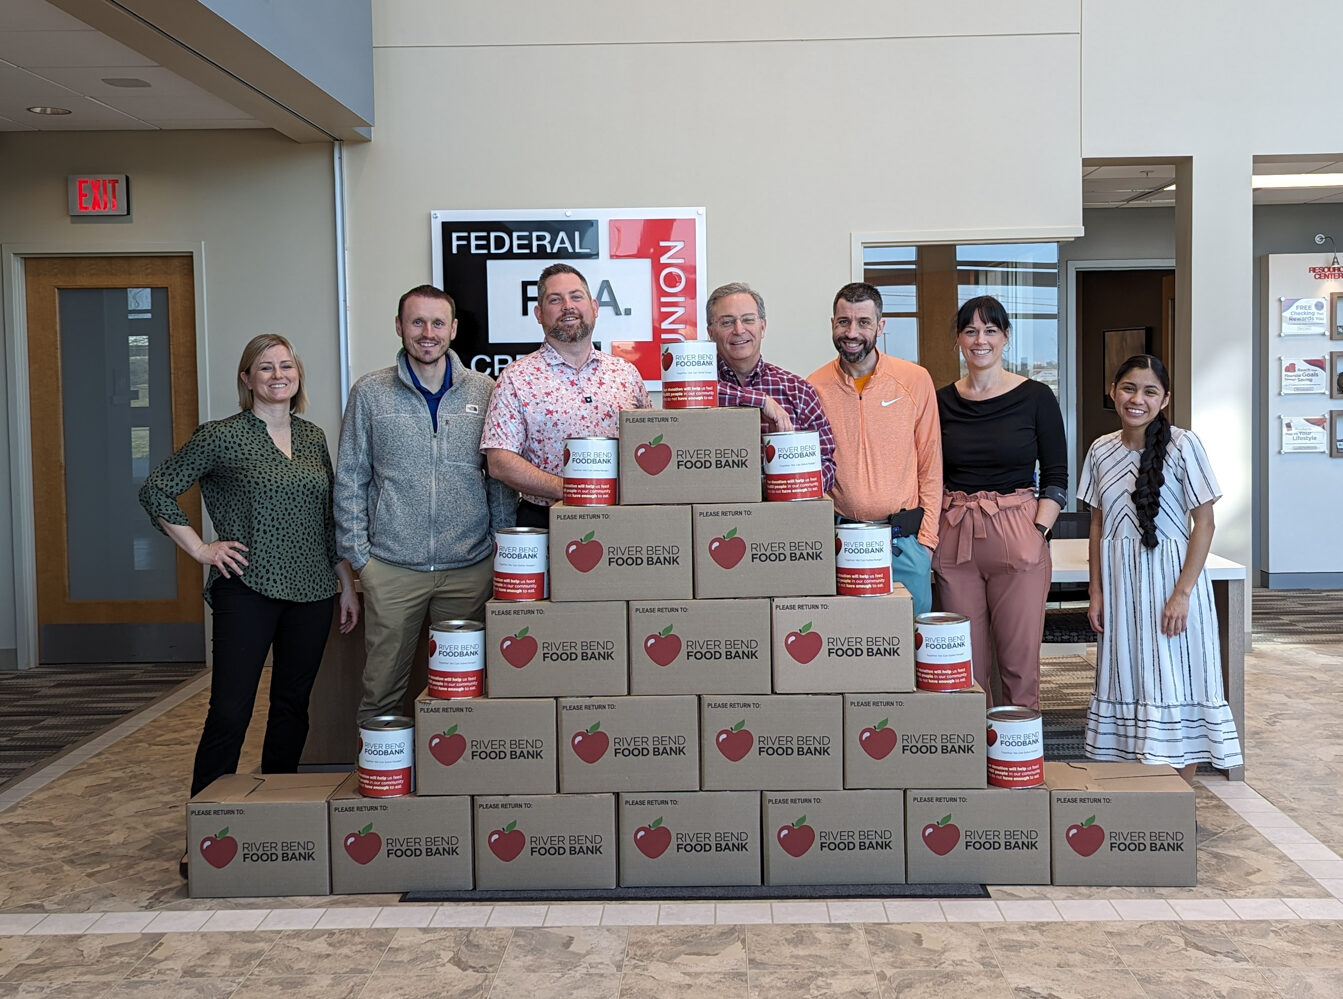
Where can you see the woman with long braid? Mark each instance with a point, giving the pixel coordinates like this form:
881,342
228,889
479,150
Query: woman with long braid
1159,696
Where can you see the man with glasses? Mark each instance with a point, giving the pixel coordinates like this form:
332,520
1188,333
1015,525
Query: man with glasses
736,317
889,459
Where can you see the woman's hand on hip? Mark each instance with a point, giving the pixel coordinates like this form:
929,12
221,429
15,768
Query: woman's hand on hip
226,556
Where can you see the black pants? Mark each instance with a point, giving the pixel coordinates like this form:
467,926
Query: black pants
533,515
246,626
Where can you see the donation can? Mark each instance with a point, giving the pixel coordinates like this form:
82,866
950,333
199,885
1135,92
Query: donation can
793,465
863,559
521,563
590,471
386,756
457,659
942,652
1016,747
689,374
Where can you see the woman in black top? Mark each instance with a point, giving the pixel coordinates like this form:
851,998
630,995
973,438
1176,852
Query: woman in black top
992,560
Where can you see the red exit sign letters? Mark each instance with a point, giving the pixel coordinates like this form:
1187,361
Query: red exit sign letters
98,194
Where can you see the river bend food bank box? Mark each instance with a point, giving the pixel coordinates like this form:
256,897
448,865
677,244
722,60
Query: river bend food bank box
484,745
690,456
771,743
997,836
699,647
410,843
543,649
1121,824
620,553
700,838
850,644
834,837
915,739
260,835
764,549
546,841
629,744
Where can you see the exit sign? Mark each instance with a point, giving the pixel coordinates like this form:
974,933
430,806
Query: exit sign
98,194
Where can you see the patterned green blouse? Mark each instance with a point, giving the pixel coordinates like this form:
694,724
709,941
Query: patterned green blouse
279,507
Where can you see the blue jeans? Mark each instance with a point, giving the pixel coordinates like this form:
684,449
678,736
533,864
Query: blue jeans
911,564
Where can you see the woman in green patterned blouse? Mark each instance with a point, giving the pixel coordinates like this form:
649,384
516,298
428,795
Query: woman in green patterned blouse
265,476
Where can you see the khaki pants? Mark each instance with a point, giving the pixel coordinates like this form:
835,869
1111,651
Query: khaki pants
395,603
992,566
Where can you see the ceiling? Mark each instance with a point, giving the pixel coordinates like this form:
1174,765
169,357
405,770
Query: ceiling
49,58
1144,185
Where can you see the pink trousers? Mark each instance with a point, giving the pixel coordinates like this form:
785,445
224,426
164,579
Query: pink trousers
993,566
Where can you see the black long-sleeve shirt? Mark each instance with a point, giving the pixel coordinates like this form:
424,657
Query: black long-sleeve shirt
994,444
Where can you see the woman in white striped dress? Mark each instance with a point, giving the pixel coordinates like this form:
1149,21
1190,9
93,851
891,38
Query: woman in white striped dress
1159,696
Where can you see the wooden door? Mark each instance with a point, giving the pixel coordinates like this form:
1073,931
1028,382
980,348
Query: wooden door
112,391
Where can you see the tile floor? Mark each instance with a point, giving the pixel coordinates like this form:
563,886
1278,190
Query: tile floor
91,905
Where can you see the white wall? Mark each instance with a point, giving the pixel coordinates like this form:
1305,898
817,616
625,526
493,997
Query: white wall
259,204
794,131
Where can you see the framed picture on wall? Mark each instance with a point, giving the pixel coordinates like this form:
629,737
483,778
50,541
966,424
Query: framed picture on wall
1336,316
1120,345
1336,433
1336,374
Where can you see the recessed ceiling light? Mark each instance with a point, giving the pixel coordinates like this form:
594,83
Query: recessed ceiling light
125,81
46,110
1261,181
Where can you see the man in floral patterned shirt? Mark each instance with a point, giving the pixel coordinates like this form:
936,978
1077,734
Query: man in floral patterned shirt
565,389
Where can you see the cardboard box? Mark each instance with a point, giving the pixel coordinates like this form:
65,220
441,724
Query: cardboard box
544,649
398,844
699,647
834,837
546,841
481,745
700,838
764,549
690,456
771,743
844,644
254,835
995,836
629,744
1121,824
918,739
620,553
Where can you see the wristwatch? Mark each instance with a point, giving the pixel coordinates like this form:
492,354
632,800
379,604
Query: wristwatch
1045,532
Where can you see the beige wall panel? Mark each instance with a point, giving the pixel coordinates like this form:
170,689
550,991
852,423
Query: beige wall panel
790,147
260,204
431,22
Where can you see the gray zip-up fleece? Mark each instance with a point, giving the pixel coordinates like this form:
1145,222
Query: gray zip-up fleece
406,495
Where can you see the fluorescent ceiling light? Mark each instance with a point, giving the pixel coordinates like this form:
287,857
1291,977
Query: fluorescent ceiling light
1270,180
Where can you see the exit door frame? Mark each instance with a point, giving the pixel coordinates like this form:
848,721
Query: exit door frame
13,257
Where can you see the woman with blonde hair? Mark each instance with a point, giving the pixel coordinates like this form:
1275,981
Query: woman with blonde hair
265,476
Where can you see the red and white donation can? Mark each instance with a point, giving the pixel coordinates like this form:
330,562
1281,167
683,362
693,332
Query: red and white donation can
590,465
1016,743
689,374
521,563
793,465
386,756
942,652
457,659
863,559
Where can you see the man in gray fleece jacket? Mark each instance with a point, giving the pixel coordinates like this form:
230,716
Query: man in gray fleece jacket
415,509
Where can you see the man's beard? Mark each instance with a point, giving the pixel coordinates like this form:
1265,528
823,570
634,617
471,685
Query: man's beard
575,334
866,349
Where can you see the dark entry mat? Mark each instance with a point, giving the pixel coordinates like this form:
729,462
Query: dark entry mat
725,893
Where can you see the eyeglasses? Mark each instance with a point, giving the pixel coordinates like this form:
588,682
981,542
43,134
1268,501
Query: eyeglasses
728,323
865,323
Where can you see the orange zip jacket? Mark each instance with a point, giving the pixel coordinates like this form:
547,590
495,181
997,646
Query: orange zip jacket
888,443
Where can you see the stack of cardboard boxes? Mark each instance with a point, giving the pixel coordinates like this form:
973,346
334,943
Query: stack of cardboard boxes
694,706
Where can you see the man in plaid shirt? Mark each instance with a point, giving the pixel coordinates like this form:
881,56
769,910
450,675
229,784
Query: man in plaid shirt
736,318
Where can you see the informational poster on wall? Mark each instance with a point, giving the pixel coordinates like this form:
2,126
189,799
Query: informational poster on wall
1305,435
1304,375
644,267
1304,316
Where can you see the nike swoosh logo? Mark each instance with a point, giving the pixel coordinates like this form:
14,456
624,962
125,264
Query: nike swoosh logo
887,402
